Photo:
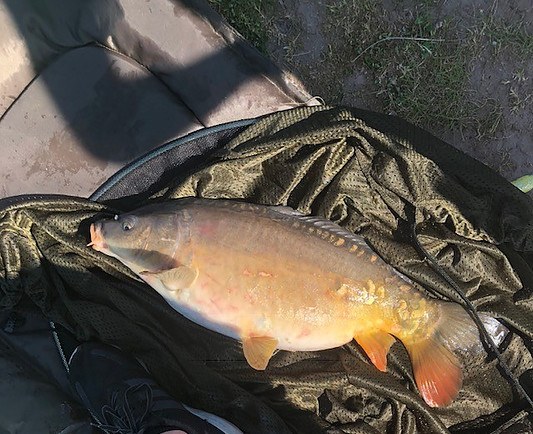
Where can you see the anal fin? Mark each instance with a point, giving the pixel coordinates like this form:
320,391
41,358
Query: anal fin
376,345
258,350
437,371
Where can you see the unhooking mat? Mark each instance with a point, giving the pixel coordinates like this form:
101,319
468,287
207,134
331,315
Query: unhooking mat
374,174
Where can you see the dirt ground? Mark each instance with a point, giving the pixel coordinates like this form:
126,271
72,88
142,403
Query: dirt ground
463,69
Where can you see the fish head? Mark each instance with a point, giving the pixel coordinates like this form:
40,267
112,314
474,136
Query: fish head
145,242
111,236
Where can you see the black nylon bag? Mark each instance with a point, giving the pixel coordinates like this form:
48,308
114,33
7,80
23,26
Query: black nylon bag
376,175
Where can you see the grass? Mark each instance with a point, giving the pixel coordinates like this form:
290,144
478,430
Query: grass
512,38
249,17
421,69
422,64
415,63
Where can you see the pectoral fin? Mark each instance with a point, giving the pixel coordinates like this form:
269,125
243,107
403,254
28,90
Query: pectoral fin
376,345
176,278
258,351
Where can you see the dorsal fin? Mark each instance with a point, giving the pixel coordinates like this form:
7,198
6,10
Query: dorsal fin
319,223
332,231
287,210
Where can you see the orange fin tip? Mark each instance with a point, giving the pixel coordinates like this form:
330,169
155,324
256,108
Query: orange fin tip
376,345
258,351
437,371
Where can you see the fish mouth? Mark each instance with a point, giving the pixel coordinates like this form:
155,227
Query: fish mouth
97,240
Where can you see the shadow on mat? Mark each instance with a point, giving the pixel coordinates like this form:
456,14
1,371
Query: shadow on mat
56,27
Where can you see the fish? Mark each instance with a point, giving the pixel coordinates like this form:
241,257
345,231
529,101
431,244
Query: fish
276,279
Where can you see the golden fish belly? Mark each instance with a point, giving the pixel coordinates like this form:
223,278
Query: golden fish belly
302,307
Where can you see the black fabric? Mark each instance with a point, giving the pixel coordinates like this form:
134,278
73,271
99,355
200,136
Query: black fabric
157,170
374,174
122,396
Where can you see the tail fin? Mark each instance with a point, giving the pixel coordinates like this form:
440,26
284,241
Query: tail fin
437,370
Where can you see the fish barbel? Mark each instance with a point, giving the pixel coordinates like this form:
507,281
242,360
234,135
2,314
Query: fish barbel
278,280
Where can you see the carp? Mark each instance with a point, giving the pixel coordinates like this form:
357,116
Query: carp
276,279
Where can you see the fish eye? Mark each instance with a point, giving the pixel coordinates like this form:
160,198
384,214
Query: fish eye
128,224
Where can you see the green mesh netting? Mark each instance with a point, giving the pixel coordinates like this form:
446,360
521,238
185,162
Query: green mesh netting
377,176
